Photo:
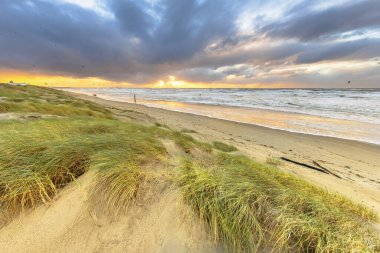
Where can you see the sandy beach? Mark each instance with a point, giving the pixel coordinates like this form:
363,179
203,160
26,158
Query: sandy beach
356,163
122,178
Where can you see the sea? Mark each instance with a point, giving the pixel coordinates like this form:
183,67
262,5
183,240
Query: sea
352,114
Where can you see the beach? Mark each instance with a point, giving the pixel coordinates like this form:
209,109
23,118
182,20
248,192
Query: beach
357,163
189,126
80,173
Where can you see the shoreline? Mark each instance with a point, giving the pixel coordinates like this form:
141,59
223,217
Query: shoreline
256,124
246,123
356,162
294,122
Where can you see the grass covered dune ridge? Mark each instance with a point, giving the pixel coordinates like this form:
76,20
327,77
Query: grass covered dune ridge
51,139
40,100
247,204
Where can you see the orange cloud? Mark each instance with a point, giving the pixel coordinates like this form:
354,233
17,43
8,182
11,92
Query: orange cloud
57,81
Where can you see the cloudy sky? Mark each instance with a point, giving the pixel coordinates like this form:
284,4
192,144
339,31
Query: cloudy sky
191,43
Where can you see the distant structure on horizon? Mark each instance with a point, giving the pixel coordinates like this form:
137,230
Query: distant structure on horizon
17,84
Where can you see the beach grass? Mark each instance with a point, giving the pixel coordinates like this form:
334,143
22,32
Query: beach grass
188,131
32,99
40,157
117,187
224,147
245,205
157,124
251,207
187,142
274,161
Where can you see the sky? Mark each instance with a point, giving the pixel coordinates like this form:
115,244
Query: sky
191,43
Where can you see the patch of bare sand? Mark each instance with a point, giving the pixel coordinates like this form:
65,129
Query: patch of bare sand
35,231
69,225
22,116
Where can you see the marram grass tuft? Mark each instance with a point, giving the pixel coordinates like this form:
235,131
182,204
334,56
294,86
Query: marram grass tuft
250,207
116,188
40,157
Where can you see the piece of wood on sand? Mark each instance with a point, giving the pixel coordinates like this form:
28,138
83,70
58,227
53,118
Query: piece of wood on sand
320,168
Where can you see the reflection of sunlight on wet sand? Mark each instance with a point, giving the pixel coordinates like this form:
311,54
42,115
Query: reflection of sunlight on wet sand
171,104
293,122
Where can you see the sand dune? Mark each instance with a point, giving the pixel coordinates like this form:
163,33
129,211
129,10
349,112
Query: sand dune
68,224
158,220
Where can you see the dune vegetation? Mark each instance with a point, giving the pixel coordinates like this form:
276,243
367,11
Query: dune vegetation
224,147
28,99
244,205
247,205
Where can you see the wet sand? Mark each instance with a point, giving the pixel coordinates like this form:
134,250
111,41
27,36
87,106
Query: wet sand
283,120
357,163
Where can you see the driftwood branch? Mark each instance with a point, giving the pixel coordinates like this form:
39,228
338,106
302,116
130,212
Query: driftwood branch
304,165
327,170
320,168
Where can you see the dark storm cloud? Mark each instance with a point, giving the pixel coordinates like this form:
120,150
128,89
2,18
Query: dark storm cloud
61,39
247,63
183,29
306,24
200,75
143,42
351,50
292,53
132,17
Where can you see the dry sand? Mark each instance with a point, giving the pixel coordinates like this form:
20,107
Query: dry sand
157,222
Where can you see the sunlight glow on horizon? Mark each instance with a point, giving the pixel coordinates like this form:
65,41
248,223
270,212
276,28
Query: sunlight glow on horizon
172,81
57,81
94,82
